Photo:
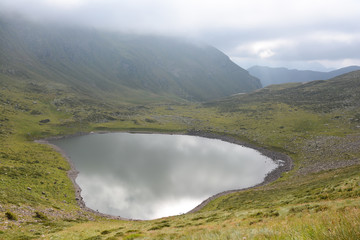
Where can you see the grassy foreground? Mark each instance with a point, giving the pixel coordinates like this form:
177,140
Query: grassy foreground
318,199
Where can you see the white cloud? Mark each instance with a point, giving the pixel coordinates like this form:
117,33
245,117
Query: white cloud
266,53
262,49
64,4
334,36
340,63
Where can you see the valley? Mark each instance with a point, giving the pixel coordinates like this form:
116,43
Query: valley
320,192
54,85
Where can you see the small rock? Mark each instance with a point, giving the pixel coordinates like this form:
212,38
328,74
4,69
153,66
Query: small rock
29,188
43,193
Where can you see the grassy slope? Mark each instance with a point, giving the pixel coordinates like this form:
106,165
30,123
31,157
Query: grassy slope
318,199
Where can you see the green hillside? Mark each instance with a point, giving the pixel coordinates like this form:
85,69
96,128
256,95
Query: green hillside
339,93
117,67
316,124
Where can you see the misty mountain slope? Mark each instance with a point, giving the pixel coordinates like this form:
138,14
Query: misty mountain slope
118,65
268,75
341,92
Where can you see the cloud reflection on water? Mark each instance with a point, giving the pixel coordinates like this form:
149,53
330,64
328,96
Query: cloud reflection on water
146,176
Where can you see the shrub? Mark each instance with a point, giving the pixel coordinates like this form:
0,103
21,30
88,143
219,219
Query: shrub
148,120
159,227
94,238
105,232
10,216
132,236
41,216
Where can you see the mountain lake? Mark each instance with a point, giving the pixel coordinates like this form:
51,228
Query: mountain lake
148,176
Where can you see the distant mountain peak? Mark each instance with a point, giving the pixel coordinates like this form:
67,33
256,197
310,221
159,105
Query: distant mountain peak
279,75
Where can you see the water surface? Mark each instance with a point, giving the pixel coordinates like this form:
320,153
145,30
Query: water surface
147,176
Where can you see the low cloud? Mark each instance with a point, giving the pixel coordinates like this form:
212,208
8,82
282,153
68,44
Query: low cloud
319,31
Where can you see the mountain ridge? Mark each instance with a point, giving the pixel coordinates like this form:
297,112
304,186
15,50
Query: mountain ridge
269,75
320,96
105,63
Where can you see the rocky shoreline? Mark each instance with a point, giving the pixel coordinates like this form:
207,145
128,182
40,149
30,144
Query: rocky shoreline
285,164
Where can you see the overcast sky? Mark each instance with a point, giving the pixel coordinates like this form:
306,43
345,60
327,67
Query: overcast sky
303,34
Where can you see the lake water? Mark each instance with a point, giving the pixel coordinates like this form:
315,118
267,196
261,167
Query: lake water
148,176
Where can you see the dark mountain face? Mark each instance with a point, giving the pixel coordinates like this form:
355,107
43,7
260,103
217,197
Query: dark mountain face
119,65
270,76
